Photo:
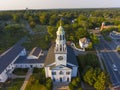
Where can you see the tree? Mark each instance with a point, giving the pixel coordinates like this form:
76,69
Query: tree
90,46
49,83
88,76
94,39
16,17
43,18
101,82
53,19
81,32
32,24
51,31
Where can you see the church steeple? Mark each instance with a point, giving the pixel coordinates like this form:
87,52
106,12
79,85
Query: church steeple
60,40
60,47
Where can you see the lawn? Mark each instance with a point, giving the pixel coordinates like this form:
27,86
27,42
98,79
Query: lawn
20,71
14,84
34,81
38,81
35,86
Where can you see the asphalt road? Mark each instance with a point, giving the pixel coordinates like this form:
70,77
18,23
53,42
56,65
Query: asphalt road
110,57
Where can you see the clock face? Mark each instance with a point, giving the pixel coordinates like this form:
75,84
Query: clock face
60,57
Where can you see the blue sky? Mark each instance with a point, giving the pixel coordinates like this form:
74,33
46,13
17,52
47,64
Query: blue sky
50,4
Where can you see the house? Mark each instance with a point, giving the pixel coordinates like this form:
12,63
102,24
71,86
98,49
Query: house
84,42
60,63
106,25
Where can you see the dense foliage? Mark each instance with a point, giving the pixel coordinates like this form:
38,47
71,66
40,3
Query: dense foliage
75,84
89,59
91,73
97,78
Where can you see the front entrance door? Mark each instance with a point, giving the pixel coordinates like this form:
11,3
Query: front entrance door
31,66
60,79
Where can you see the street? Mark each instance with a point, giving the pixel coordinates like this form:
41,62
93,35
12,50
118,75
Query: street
110,57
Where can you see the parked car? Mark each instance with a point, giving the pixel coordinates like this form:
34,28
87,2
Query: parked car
114,67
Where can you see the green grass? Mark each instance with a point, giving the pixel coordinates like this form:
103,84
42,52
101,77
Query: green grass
35,86
20,71
34,81
14,84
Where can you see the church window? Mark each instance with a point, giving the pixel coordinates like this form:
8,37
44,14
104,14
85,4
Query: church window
67,73
53,73
61,73
60,37
63,37
60,47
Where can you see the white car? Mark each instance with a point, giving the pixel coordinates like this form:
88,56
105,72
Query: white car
114,67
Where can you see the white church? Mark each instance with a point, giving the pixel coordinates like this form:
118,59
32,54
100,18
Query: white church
61,64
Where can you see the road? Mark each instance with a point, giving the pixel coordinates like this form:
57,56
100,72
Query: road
110,57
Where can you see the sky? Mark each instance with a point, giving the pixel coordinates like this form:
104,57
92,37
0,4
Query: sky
56,4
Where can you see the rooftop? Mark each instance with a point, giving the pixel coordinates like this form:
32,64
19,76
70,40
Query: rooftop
71,58
24,60
35,51
8,57
83,40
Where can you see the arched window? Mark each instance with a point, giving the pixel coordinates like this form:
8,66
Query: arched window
60,47
63,37
60,37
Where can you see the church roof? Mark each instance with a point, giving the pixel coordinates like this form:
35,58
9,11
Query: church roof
24,60
50,56
35,51
71,58
9,56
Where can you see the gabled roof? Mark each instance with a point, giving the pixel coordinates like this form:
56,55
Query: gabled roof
50,58
35,51
8,57
71,58
83,40
24,60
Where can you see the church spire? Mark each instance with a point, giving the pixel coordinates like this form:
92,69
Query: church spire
61,22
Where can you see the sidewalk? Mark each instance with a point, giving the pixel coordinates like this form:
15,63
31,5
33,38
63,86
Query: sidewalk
60,86
29,73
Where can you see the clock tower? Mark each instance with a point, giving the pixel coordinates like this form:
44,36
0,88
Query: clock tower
60,47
